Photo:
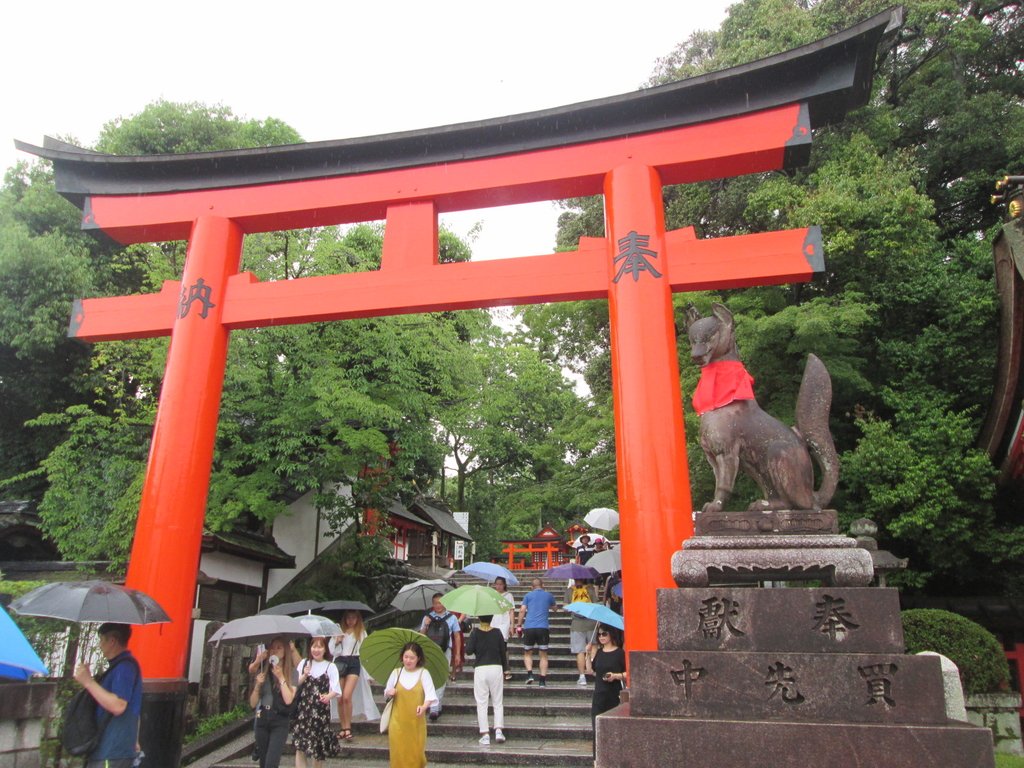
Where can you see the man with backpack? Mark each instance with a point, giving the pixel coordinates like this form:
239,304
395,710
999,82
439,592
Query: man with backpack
118,697
441,626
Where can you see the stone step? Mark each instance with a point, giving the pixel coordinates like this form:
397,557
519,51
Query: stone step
521,723
371,749
558,683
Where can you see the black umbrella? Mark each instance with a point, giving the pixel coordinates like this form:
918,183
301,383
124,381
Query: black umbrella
291,609
97,601
340,606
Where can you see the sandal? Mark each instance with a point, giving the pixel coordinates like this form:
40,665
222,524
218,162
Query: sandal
346,734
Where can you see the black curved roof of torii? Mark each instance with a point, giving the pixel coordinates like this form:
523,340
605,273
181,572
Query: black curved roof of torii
831,75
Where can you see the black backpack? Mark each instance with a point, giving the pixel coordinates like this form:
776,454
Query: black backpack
81,730
439,631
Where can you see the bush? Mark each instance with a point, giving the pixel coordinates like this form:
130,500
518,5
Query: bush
976,652
210,724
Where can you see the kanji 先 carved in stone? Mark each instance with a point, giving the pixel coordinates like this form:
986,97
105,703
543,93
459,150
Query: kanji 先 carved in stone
783,683
687,676
718,614
832,618
879,680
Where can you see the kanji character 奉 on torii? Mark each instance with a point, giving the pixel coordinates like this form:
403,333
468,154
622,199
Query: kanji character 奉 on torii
749,119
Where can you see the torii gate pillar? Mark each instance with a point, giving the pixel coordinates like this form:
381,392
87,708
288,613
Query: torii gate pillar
650,444
169,531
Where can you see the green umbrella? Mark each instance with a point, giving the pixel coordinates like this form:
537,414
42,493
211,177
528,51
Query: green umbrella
476,600
381,653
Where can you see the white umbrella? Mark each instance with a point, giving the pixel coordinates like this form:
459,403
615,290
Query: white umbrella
319,626
263,628
602,518
607,561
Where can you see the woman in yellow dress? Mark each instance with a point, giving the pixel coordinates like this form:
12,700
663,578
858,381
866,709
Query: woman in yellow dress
414,692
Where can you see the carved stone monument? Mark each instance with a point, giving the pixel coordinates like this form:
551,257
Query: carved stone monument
796,676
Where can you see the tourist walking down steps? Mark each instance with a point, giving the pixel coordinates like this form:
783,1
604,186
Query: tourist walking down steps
413,691
488,646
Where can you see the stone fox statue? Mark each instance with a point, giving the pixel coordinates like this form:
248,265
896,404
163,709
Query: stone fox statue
736,434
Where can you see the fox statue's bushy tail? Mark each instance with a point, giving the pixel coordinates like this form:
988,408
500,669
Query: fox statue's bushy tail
812,409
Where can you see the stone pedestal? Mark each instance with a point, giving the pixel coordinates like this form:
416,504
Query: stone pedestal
732,559
782,677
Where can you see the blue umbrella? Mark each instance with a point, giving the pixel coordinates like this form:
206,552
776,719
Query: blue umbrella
491,571
572,571
17,658
597,612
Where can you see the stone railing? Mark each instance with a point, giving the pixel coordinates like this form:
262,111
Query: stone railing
25,709
999,712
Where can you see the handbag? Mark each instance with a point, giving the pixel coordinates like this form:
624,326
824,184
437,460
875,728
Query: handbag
385,716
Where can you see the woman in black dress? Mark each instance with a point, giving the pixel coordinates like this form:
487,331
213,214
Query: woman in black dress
607,662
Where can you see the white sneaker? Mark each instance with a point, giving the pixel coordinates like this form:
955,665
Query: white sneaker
499,736
486,739
582,680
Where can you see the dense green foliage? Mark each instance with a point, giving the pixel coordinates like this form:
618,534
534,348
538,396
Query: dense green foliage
976,652
905,315
372,404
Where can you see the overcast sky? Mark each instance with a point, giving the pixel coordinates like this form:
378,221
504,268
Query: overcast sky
334,70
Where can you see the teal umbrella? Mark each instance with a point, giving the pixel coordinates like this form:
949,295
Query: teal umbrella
381,653
18,660
476,600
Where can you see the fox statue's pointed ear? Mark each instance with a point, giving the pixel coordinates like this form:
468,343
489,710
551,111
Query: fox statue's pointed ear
692,315
723,314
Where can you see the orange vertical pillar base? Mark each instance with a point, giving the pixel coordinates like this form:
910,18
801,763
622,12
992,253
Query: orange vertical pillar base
653,478
165,553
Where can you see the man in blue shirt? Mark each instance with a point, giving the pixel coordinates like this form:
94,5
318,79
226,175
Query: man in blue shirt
119,693
452,647
534,621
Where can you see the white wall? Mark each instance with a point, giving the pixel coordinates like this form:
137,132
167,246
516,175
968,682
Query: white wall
237,570
295,533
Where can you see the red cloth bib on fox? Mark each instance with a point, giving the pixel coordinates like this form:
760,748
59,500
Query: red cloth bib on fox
720,383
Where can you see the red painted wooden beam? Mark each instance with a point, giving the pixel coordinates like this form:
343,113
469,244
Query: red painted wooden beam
728,262
735,146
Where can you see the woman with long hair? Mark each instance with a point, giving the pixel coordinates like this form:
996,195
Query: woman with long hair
272,696
413,691
607,662
311,724
345,648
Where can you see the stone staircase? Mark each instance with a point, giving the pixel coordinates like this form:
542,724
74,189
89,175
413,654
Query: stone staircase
543,726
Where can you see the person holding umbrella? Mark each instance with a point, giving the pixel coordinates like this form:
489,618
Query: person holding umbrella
581,629
441,626
311,723
118,692
607,662
272,696
413,691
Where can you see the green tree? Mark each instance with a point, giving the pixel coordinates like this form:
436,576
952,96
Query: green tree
904,317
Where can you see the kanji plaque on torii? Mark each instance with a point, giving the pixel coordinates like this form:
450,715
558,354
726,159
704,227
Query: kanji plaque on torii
749,119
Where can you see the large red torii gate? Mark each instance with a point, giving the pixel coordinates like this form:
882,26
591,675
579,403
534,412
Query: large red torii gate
749,119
